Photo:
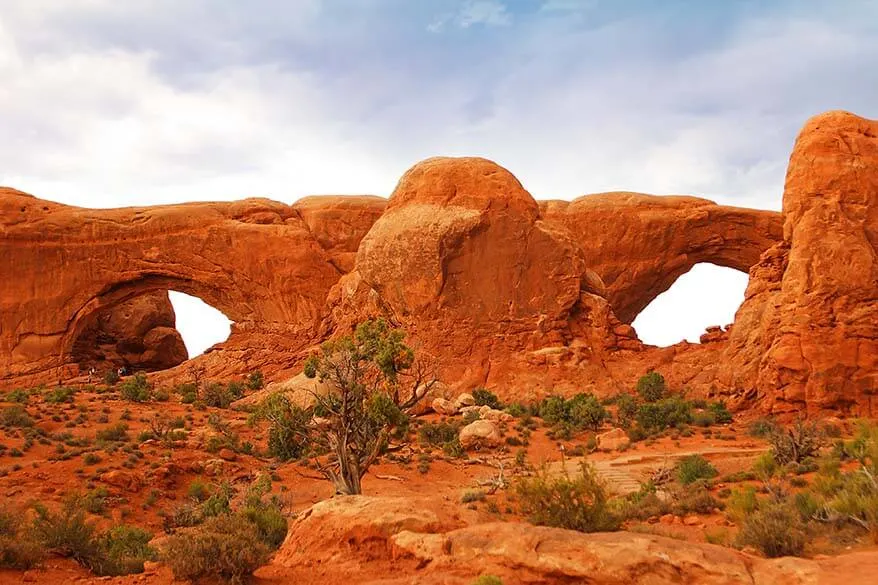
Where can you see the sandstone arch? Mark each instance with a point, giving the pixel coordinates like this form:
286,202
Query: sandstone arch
255,260
640,244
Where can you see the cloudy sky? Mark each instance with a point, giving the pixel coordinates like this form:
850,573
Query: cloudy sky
109,103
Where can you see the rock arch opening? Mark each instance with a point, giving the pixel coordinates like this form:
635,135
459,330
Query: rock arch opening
200,325
148,324
707,295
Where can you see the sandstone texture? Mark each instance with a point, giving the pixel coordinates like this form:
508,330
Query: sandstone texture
413,544
138,334
502,291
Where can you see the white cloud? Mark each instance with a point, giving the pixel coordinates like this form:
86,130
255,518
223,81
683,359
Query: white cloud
108,104
488,13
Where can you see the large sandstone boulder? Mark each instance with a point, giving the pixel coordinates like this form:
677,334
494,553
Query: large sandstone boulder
480,433
334,529
521,553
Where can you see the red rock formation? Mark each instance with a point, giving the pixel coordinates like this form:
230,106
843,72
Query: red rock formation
806,336
525,297
138,334
255,260
660,238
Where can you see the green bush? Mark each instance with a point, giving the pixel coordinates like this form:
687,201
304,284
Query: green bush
761,428
720,413
437,433
667,412
485,397
124,549
114,433
255,381
651,387
288,427
19,549
582,411
188,392
15,416
227,547
775,529
576,503
59,395
219,395
626,410
111,378
265,513
454,448
136,388
693,468
19,395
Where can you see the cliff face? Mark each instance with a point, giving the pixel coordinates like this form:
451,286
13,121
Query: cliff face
525,296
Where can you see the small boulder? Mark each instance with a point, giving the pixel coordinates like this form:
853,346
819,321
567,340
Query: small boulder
481,433
464,400
227,454
124,480
443,406
613,439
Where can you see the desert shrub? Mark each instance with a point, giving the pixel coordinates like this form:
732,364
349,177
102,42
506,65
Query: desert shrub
111,378
488,580
265,513
741,503
852,496
644,503
218,502
94,501
219,395
797,443
485,397
761,428
765,466
59,395
454,448
703,418
123,550
68,533
664,413
576,503
136,388
19,549
228,547
582,411
114,433
188,392
19,395
287,429
198,490
15,416
651,387
775,529
255,381
720,413
516,409
694,499
626,410
437,433
693,468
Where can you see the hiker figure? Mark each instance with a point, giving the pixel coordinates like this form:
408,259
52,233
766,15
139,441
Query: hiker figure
91,372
